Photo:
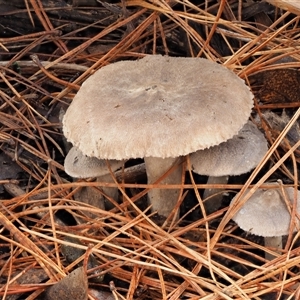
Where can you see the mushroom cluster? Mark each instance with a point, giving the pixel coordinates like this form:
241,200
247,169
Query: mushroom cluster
158,108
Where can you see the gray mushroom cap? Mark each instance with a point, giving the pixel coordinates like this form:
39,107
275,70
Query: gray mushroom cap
266,214
79,165
236,156
157,106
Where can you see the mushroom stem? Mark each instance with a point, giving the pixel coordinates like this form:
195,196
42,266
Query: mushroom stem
163,200
91,196
110,192
273,242
131,174
215,195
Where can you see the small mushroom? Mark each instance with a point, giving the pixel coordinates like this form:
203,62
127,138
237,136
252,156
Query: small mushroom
79,165
266,214
236,156
158,108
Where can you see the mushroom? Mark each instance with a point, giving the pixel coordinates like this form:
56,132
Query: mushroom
236,156
158,108
79,165
266,214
